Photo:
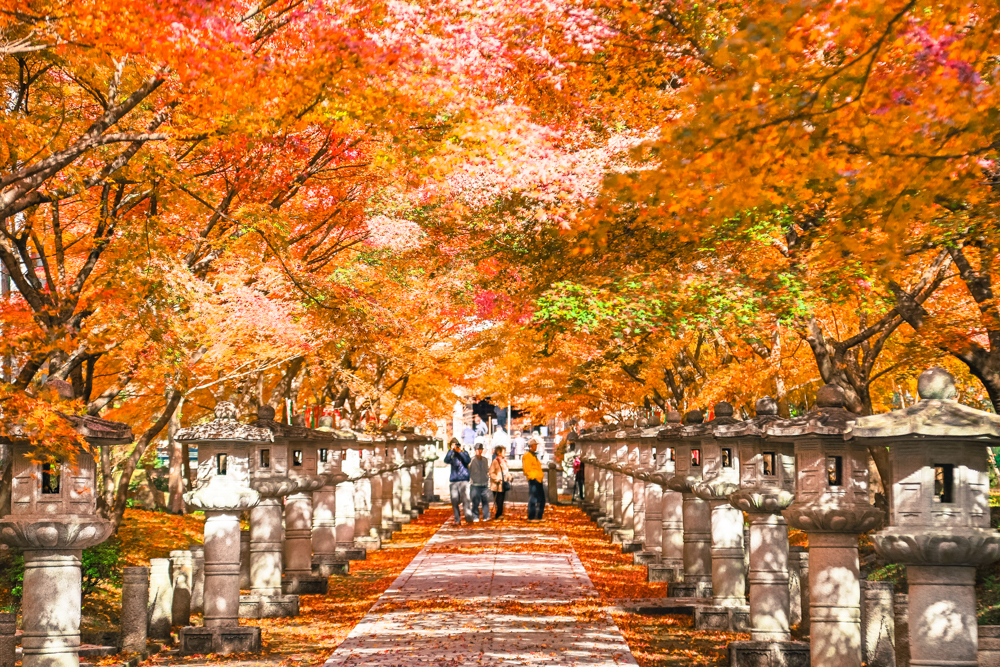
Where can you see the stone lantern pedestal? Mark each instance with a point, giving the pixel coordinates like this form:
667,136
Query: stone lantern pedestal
940,523
326,559
365,537
52,520
831,506
697,514
223,493
634,529
670,565
266,599
767,486
720,477
346,509
296,454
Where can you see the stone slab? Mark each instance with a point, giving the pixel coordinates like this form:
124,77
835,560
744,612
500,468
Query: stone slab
304,585
643,557
722,619
631,547
683,589
352,554
221,641
269,606
368,543
768,654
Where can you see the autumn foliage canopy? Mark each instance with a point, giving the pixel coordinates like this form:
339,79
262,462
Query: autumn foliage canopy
581,206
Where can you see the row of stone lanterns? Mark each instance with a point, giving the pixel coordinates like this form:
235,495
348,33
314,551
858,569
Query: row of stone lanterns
325,520
274,471
810,472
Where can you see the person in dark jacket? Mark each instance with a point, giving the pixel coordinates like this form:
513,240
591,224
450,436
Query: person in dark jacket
459,482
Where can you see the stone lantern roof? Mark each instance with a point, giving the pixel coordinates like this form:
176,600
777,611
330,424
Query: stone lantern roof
224,427
766,410
828,418
936,414
265,419
326,426
723,416
99,431
675,423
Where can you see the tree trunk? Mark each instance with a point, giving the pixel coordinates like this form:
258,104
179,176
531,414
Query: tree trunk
176,478
111,504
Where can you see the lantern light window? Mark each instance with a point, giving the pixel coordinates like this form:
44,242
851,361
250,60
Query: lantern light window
835,470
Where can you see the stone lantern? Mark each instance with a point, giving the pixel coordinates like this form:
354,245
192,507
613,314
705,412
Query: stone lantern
223,492
604,499
303,447
648,534
670,565
689,464
588,458
368,505
940,516
767,486
831,506
329,516
720,477
53,519
271,477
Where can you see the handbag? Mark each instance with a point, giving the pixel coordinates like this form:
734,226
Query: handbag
506,486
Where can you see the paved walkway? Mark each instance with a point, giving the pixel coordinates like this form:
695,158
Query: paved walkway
507,594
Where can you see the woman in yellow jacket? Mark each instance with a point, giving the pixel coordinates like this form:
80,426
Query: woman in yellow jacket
533,471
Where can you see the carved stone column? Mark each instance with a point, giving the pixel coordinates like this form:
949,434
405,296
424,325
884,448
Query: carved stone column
298,577
831,506
52,520
940,514
697,514
223,492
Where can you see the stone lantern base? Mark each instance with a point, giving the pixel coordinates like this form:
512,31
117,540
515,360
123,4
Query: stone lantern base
768,654
689,589
722,619
645,556
296,583
220,640
368,542
269,606
326,565
661,571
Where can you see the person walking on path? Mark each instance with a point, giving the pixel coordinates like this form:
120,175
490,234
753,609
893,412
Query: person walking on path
533,471
459,482
479,475
500,479
578,477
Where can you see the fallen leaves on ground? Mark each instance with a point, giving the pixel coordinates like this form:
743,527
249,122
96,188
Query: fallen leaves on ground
655,641
325,620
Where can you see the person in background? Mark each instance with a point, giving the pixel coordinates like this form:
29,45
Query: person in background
468,436
500,439
482,428
519,444
459,481
479,476
578,475
499,475
533,471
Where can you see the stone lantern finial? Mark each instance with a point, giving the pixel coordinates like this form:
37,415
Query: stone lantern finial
936,383
766,406
225,412
325,423
723,409
673,417
266,412
830,396
694,417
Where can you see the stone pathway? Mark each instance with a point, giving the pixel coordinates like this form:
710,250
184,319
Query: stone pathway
503,594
